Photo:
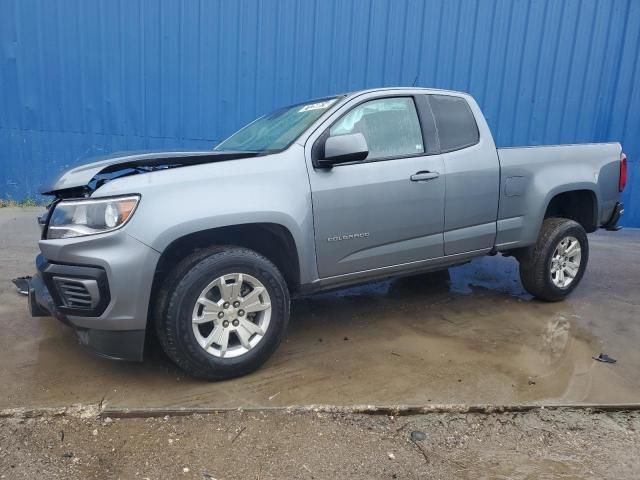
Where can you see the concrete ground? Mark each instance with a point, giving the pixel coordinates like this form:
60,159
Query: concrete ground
469,336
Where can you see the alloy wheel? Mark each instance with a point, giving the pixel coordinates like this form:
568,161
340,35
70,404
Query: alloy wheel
231,315
565,262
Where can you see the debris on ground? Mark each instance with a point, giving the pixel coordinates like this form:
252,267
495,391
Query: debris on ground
549,443
238,434
604,358
22,284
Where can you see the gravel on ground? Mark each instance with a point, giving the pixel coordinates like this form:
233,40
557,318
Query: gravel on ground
315,445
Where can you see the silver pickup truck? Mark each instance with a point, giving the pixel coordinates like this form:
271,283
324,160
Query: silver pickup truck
205,249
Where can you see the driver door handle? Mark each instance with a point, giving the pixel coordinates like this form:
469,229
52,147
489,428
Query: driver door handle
424,176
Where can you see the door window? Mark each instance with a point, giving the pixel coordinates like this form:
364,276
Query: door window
390,126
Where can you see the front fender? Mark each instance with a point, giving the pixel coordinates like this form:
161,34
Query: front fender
175,203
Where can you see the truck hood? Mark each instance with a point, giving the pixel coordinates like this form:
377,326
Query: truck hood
84,179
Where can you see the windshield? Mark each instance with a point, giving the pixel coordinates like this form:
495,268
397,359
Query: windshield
277,130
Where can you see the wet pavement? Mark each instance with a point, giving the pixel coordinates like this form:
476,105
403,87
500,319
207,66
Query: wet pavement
469,335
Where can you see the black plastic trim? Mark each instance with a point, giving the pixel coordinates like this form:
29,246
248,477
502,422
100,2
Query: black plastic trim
50,270
125,345
612,223
428,125
50,208
39,300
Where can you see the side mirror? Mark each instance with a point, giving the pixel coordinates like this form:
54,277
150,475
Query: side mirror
344,148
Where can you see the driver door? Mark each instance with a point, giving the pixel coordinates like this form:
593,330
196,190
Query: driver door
387,209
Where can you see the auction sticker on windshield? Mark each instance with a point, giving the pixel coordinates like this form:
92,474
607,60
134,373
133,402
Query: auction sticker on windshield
318,106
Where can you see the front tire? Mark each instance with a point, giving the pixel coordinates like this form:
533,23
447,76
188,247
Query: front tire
554,266
222,313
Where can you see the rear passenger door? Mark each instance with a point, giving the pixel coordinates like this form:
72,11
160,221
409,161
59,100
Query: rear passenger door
472,176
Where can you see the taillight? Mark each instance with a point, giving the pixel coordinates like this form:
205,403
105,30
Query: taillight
623,172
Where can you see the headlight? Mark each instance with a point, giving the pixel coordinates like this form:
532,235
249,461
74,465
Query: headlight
77,218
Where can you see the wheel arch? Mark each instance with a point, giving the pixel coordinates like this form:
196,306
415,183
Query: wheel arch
579,204
272,240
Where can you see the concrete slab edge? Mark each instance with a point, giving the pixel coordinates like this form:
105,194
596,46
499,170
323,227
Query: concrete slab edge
103,411
77,410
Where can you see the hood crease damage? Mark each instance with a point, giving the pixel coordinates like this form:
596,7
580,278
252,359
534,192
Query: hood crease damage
83,180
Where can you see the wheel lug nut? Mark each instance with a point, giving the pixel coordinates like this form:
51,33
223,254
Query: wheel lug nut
240,313
226,305
236,323
220,314
236,304
225,324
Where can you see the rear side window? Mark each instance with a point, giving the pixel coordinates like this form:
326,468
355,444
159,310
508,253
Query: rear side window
456,125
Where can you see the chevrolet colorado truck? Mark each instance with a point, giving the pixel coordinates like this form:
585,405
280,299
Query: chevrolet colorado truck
205,249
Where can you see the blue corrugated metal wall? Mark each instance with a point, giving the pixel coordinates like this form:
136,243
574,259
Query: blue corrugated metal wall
83,77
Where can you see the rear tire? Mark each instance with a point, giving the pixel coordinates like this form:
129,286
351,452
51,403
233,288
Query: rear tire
554,266
222,312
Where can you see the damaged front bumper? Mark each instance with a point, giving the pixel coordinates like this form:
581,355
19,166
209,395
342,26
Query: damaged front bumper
98,285
67,292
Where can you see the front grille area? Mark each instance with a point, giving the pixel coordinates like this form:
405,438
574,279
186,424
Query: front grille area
78,293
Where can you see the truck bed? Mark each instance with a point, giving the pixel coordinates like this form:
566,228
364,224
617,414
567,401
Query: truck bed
533,176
